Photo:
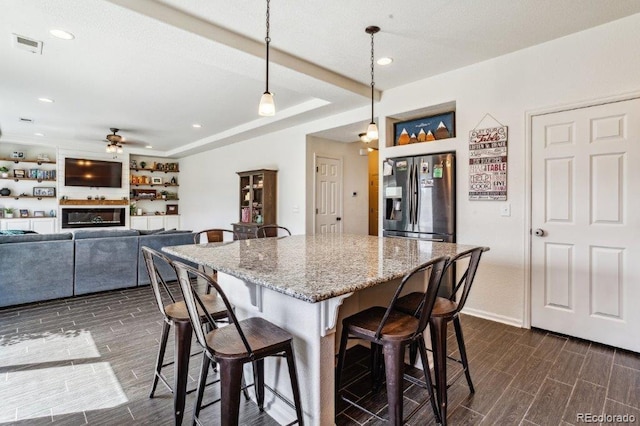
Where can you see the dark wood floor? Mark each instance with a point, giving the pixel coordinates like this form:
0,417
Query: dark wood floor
89,360
521,377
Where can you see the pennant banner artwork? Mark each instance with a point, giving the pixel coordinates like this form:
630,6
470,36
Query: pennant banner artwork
488,164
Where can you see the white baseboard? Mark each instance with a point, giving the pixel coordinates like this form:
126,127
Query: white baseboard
493,317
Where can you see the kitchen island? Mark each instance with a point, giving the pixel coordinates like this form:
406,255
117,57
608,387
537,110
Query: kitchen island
299,283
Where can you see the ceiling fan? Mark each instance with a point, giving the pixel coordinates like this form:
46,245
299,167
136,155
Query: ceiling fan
115,142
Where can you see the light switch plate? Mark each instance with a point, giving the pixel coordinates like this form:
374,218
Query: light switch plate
505,210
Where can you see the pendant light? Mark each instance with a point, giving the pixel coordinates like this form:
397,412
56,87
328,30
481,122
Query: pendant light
372,130
267,107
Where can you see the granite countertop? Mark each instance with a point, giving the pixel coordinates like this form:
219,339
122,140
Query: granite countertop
316,267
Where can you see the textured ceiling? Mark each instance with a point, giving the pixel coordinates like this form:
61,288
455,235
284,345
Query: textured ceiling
153,68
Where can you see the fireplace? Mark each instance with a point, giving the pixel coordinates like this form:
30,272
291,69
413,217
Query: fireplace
93,217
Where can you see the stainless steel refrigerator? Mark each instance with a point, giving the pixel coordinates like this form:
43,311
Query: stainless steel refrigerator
420,200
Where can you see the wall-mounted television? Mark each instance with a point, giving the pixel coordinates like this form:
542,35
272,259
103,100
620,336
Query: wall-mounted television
95,173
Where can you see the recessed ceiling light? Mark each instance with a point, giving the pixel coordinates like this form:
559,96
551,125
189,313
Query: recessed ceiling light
64,35
46,100
196,126
39,134
149,146
384,61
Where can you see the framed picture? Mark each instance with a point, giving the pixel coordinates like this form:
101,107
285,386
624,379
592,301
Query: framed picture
156,180
18,173
44,191
425,129
172,209
24,213
38,213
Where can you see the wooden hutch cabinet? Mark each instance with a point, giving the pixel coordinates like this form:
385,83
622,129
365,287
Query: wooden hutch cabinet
257,201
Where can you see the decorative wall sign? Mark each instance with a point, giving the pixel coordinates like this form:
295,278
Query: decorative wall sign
488,163
425,129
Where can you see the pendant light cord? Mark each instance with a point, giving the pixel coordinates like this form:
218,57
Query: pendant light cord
373,83
267,40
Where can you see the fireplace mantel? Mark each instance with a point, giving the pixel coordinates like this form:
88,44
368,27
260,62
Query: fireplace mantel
81,202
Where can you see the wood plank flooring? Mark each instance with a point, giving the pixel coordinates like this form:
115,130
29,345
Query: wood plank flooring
521,377
89,360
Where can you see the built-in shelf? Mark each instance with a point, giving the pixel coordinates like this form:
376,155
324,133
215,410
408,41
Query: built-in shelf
80,202
33,179
28,217
17,197
153,199
156,170
154,184
22,160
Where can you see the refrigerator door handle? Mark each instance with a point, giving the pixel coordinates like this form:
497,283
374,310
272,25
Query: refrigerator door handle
416,188
410,196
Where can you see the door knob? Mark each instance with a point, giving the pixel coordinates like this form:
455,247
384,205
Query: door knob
539,232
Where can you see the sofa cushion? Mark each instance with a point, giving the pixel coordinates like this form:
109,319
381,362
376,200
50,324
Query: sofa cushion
105,233
106,263
35,271
30,238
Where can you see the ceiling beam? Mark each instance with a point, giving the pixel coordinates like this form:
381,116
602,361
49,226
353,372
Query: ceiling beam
195,25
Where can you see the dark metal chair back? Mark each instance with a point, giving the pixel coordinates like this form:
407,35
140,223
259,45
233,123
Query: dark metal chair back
195,305
158,283
214,235
467,278
431,272
272,231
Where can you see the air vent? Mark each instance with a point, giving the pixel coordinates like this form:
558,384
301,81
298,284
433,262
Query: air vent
26,43
26,120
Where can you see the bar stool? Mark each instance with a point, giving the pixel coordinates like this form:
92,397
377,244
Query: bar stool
175,313
445,311
249,340
393,330
272,231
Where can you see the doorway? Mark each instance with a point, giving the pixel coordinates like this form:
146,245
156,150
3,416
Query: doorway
328,200
585,243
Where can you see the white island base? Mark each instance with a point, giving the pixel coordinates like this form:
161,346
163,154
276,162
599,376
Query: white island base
314,327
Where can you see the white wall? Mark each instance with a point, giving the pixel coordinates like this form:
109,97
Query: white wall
355,210
589,65
209,186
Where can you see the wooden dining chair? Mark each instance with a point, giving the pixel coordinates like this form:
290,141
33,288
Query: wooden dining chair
393,331
272,231
174,313
248,340
446,310
214,235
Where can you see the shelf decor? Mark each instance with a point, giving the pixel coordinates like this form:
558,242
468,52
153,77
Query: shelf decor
47,191
488,162
425,129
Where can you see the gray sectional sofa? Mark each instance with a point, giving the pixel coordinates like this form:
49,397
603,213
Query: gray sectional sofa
37,267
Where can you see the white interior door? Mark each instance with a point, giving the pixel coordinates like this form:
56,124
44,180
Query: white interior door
328,195
585,267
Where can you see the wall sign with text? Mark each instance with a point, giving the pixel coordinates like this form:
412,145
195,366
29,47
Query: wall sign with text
488,164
